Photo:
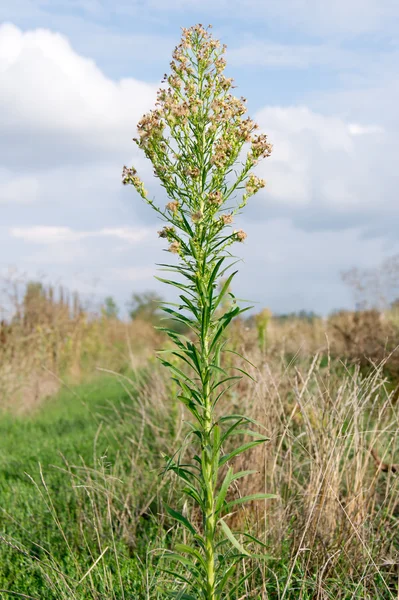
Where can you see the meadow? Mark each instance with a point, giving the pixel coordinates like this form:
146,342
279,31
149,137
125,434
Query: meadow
88,413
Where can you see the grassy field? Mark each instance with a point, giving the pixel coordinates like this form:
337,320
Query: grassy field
82,499
59,497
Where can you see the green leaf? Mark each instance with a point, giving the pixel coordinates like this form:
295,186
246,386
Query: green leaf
174,369
223,490
189,404
243,417
241,449
216,270
190,305
216,449
193,552
194,570
224,289
228,433
177,575
181,518
241,474
224,580
250,498
241,356
244,373
180,286
175,337
178,316
195,356
181,472
225,380
190,391
229,534
193,493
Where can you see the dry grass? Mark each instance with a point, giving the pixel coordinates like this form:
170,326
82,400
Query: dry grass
50,338
336,516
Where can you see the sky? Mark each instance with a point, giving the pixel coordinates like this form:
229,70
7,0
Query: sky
321,80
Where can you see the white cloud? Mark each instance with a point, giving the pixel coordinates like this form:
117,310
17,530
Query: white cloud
356,129
322,165
55,235
22,189
287,268
53,98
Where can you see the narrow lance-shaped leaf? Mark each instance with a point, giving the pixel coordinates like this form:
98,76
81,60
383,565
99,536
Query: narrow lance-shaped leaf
230,536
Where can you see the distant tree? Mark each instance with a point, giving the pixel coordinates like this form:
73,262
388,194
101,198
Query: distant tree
374,287
146,306
110,309
303,315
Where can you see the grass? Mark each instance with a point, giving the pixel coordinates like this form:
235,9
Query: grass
92,511
42,504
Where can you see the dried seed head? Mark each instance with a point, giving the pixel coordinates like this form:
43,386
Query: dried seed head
128,174
226,219
254,184
172,206
166,232
260,147
240,235
193,172
215,198
174,247
197,217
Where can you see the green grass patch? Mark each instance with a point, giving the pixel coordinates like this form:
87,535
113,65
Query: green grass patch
83,427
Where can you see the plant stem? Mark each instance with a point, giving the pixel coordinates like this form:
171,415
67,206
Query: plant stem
209,466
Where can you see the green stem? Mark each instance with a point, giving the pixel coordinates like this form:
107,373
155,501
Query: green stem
208,460
209,523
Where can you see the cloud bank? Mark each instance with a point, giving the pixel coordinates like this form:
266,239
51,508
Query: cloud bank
66,132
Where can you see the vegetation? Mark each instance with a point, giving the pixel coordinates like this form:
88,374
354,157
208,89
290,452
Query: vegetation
80,487
88,416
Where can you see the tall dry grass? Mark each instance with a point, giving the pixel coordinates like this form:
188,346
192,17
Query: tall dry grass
331,459
332,532
49,337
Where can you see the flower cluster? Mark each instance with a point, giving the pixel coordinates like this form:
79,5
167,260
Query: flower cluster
197,216
172,207
254,184
175,247
130,176
240,235
260,147
215,198
226,219
167,232
195,137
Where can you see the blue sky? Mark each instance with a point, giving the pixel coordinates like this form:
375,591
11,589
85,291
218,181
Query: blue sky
320,78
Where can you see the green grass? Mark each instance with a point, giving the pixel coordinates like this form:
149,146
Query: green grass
62,433
100,461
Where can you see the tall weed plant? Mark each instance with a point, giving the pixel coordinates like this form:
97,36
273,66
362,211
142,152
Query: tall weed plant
203,151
